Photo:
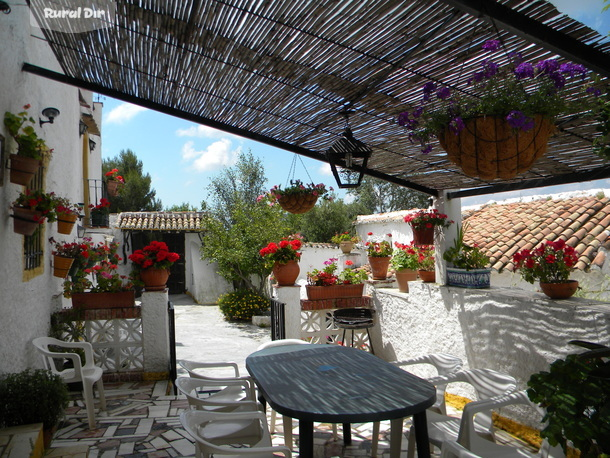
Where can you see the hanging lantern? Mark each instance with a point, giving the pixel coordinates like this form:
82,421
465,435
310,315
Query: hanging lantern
348,158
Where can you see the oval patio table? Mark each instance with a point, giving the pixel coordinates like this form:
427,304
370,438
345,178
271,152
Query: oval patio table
335,384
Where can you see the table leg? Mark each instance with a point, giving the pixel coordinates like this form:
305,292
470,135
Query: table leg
421,435
395,437
347,434
305,439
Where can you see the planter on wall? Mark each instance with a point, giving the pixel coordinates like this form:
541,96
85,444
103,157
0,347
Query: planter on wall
346,247
154,279
61,266
113,187
103,300
23,169
427,276
563,290
423,236
65,223
99,219
334,291
286,274
474,278
26,221
379,266
403,277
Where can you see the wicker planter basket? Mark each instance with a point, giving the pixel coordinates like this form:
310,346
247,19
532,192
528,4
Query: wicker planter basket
297,203
489,148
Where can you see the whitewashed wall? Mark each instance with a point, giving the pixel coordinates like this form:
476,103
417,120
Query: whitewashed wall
26,305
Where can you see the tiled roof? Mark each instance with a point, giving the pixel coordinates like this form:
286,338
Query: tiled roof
160,221
503,229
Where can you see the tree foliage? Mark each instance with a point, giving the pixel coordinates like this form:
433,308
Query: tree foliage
136,194
237,226
379,196
183,207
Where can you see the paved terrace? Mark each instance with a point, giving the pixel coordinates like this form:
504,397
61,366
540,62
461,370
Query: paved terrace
142,419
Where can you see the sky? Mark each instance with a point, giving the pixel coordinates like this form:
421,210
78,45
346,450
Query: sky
182,156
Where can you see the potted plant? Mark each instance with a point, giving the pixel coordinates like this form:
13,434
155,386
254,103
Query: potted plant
468,263
379,255
424,222
327,284
575,393
550,264
500,125
283,258
114,182
426,263
345,240
404,262
67,214
100,213
94,279
298,197
152,263
31,149
33,396
64,254
31,209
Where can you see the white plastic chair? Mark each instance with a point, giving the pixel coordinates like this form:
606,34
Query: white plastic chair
444,364
217,396
218,433
88,373
470,444
286,421
487,384
217,371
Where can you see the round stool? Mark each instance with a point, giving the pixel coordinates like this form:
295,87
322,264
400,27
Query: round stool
354,319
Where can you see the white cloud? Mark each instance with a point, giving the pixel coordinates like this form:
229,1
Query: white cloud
123,113
324,169
200,131
218,154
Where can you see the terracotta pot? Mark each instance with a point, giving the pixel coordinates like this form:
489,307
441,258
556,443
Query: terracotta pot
113,187
427,276
65,223
489,148
25,220
423,236
559,290
346,247
297,203
286,274
61,266
334,291
379,266
403,277
23,169
103,300
154,279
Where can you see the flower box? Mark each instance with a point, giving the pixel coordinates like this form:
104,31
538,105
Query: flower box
103,300
334,291
474,278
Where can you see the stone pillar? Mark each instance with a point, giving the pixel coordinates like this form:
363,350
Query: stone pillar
155,335
453,209
291,296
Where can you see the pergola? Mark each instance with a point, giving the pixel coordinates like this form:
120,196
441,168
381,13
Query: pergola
281,73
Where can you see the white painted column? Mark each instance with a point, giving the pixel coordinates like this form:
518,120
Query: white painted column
291,296
155,335
453,209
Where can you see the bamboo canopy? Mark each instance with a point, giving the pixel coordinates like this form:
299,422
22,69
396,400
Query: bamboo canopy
281,72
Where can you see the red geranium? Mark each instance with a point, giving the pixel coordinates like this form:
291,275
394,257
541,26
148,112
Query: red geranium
156,256
282,252
113,175
551,262
423,219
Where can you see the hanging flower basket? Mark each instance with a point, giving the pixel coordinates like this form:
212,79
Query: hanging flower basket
61,266
297,203
26,221
23,169
113,187
65,223
489,148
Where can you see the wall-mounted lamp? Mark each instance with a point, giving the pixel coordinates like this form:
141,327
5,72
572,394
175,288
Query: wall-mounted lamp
50,113
80,231
82,128
5,8
91,145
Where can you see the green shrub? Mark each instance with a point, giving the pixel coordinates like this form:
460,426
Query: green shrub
241,305
32,396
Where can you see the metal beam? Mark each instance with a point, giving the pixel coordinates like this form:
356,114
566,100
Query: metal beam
576,177
100,89
529,29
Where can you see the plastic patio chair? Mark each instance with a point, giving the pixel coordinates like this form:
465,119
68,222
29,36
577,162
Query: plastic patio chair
216,371
217,396
88,373
487,384
470,444
218,433
286,421
444,364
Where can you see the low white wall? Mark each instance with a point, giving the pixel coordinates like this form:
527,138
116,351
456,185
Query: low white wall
506,329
